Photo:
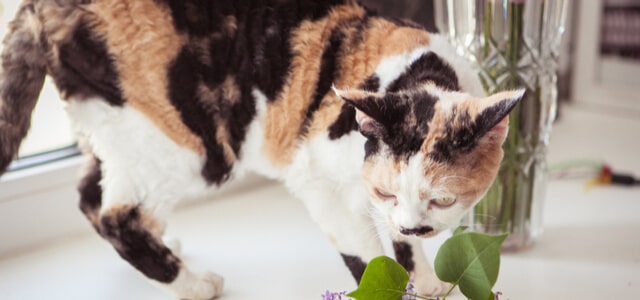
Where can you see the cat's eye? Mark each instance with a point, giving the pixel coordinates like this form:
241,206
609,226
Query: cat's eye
384,195
444,201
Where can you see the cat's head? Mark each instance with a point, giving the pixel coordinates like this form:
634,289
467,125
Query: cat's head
430,154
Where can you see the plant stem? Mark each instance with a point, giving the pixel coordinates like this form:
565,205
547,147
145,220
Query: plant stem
420,297
453,286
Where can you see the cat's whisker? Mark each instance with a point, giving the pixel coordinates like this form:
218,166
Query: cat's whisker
377,222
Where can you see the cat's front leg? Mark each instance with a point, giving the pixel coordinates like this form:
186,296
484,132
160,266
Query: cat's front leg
410,255
344,216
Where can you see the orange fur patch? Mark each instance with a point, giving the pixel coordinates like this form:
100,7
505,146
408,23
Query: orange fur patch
472,173
287,114
436,128
379,172
146,221
142,40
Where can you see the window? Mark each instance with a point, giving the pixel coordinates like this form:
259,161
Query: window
606,76
50,129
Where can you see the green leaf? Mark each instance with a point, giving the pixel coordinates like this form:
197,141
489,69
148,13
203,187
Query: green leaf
460,229
383,279
471,261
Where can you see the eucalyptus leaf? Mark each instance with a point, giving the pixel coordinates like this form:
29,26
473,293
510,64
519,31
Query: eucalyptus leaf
383,279
471,261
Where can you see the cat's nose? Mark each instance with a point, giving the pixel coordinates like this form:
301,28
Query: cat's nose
416,231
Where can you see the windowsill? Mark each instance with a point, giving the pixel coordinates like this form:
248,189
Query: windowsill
258,239
262,241
40,204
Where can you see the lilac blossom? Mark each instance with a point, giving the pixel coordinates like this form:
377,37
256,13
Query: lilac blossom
409,291
328,295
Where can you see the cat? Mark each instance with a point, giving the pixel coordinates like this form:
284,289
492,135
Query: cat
170,99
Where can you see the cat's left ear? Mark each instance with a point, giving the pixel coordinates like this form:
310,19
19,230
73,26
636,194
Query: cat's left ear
368,113
493,114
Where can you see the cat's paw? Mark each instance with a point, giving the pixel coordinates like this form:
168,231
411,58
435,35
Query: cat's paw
208,286
197,286
431,286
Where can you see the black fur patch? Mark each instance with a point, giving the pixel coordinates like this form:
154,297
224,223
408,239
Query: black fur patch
197,17
355,265
261,47
86,69
184,79
268,33
371,84
404,119
404,255
371,147
429,67
136,245
346,121
456,140
328,69
464,137
405,138
91,193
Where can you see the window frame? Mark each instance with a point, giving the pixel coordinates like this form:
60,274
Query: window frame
588,88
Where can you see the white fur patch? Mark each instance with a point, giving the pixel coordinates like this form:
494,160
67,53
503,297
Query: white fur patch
325,175
140,163
252,155
413,191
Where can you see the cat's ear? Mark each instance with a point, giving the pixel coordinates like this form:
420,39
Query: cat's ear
493,115
368,110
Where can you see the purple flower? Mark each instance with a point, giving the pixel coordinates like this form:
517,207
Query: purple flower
497,295
409,290
328,295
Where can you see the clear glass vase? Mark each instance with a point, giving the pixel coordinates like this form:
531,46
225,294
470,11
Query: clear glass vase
513,44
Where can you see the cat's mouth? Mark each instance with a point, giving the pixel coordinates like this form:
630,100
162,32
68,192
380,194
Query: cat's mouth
420,231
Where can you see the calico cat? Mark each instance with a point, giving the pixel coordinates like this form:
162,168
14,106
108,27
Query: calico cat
172,98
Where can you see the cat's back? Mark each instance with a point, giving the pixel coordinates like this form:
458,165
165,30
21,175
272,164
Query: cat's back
199,73
223,80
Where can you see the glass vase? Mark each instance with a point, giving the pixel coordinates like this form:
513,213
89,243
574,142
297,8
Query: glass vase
513,44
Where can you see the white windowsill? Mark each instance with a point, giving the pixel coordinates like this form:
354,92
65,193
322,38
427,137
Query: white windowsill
40,204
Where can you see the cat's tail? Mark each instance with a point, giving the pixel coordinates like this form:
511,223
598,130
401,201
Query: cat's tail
22,73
